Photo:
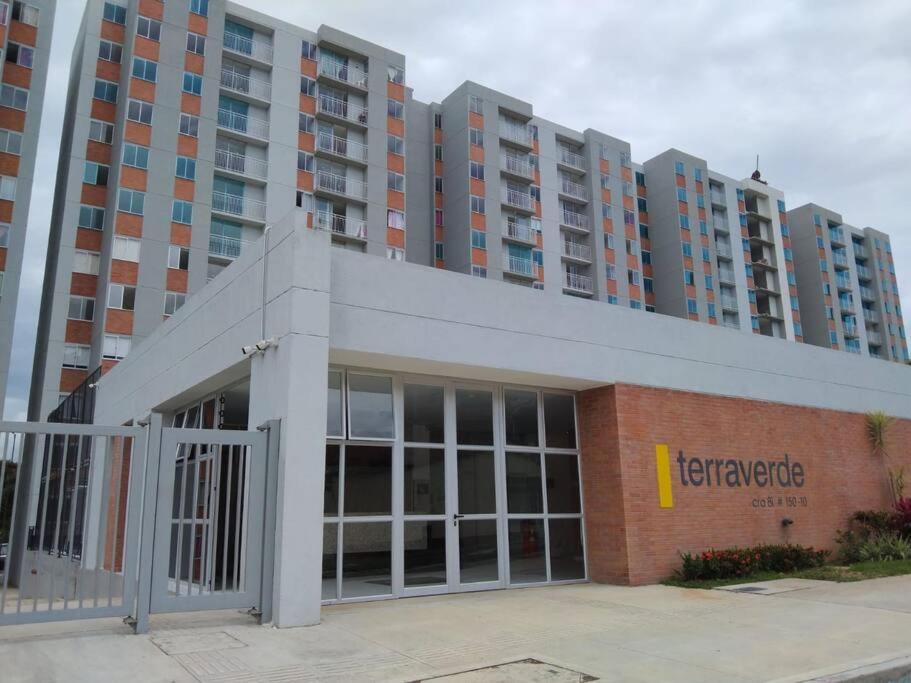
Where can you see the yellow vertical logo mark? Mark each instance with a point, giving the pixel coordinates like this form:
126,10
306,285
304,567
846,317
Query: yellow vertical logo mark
663,460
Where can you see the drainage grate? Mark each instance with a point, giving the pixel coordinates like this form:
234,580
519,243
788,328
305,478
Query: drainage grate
748,589
526,670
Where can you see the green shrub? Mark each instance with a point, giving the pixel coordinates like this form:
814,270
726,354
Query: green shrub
865,524
742,562
884,546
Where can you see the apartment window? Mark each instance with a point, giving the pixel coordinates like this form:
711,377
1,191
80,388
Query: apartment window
308,86
395,145
438,122
438,250
681,194
182,212
395,74
95,174
823,265
110,52
684,221
691,307
115,13
643,231
122,297
192,83
101,131
605,181
642,204
709,283
648,284
17,98
608,240
10,142
833,337
792,278
4,234
148,28
640,179
785,230
178,257
633,277
134,155
700,201
646,258
626,159
679,168
795,306
125,248
196,44
438,217
629,218
186,168
438,183
140,112
438,152
712,311
788,254
817,219
308,50
304,200
305,123
305,162
476,170
8,188
395,181
91,217
631,246
395,109
115,346
86,262
395,219
476,137
798,329
477,204
145,69
76,356
689,278
476,104
189,125
610,271
612,299
478,239
687,248
479,271
706,255
173,301
81,308
395,254
131,201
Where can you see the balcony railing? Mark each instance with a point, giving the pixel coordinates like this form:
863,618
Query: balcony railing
577,282
864,273
767,285
237,205
837,235
517,265
867,294
723,249
242,45
842,282
343,72
573,189
840,258
874,338
725,275
575,220
241,164
225,247
717,197
860,251
846,305
342,109
248,125
341,225
570,158
729,303
342,147
517,231
517,133
871,316
246,85
339,184
517,198
576,250
517,166
720,225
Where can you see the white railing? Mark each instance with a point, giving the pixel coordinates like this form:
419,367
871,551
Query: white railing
850,330
846,305
839,258
725,275
254,127
577,282
517,198
341,225
339,184
870,316
864,272
521,232
723,249
570,158
867,293
237,205
837,235
874,338
517,165
342,147
343,73
717,198
517,133
729,302
241,45
242,164
575,220
721,225
573,189
842,282
246,85
577,250
520,266
860,251
342,109
225,247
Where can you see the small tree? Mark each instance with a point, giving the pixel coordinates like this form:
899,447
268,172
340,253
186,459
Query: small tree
878,426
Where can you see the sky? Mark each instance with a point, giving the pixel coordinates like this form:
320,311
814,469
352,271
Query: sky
820,90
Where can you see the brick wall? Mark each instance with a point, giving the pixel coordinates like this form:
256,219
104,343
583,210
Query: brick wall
632,540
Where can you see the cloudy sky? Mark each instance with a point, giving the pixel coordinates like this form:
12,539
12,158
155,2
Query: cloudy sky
820,90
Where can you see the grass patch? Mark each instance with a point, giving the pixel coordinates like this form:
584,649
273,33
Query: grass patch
854,572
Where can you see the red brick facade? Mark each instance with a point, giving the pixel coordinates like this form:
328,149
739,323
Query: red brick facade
632,540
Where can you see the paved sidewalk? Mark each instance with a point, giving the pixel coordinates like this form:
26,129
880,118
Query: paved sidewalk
610,633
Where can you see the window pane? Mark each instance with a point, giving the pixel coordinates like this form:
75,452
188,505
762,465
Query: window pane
424,482
521,409
474,417
523,483
527,563
334,412
425,553
567,560
562,483
559,421
423,414
371,407
478,551
368,480
366,559
330,490
330,555
477,490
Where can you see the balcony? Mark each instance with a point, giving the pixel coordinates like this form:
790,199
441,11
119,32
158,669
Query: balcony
850,329
517,199
517,232
342,110
238,206
720,224
240,164
846,305
521,267
342,73
763,262
517,166
340,225
249,48
567,157
728,303
574,282
577,251
870,315
575,220
723,249
874,338
766,285
860,251
517,133
246,126
839,258
864,273
341,185
343,148
573,189
867,294
224,247
249,86
843,282
836,235
726,275
717,197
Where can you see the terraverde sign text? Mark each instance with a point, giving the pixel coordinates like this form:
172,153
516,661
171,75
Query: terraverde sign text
733,473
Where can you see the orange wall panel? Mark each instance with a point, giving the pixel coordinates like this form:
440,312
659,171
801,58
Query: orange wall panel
9,164
137,133
180,234
128,224
88,239
395,91
12,119
198,24
187,146
83,285
113,32
98,152
184,189
118,321
142,90
395,200
95,195
395,126
23,33
176,280
395,163
395,238
19,76
194,63
124,272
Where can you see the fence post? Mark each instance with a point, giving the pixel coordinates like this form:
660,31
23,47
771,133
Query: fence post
273,436
147,529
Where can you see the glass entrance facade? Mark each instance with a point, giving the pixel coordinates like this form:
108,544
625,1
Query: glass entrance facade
435,485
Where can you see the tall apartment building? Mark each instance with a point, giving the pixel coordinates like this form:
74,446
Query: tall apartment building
25,37
847,285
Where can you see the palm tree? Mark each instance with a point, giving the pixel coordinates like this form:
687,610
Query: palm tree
878,426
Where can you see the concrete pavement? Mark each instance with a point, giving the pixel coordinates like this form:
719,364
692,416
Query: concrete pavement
582,632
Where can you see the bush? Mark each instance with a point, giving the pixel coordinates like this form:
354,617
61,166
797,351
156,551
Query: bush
741,562
866,524
884,546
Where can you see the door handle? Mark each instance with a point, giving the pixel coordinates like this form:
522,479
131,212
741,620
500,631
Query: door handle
455,518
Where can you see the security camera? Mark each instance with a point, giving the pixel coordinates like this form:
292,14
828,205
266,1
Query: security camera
249,350
259,346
